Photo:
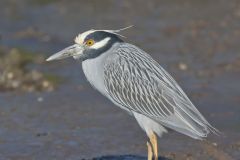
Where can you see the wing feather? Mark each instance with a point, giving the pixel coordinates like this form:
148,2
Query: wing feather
134,80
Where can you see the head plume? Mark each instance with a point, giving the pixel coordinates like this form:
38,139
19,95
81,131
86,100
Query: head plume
80,38
116,32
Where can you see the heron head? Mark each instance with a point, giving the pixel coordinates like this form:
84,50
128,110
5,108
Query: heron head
89,44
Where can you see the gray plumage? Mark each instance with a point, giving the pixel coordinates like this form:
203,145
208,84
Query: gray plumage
132,80
135,81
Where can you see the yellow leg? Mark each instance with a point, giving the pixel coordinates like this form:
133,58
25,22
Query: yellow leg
150,151
153,140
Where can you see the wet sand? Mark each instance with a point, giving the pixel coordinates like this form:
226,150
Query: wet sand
196,41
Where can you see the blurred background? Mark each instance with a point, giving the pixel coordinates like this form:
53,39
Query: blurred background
49,111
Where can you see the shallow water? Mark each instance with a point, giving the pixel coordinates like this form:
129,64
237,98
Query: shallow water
196,41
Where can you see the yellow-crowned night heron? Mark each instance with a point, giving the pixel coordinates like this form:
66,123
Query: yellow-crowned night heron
135,82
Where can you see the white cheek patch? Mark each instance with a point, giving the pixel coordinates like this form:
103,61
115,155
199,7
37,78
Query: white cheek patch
101,43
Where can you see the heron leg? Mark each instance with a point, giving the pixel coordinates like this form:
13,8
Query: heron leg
153,140
150,151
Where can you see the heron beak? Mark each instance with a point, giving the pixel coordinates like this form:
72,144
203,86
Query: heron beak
74,50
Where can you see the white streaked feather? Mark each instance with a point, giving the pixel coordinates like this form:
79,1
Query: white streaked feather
176,111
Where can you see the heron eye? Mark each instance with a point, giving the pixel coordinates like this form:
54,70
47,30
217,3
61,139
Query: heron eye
90,42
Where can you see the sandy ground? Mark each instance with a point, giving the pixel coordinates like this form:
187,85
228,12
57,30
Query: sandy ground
196,41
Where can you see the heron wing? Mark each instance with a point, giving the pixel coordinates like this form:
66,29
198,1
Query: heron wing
135,81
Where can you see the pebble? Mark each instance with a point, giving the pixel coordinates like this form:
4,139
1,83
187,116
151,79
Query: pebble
182,66
40,99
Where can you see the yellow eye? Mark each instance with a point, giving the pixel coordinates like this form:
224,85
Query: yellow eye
90,42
